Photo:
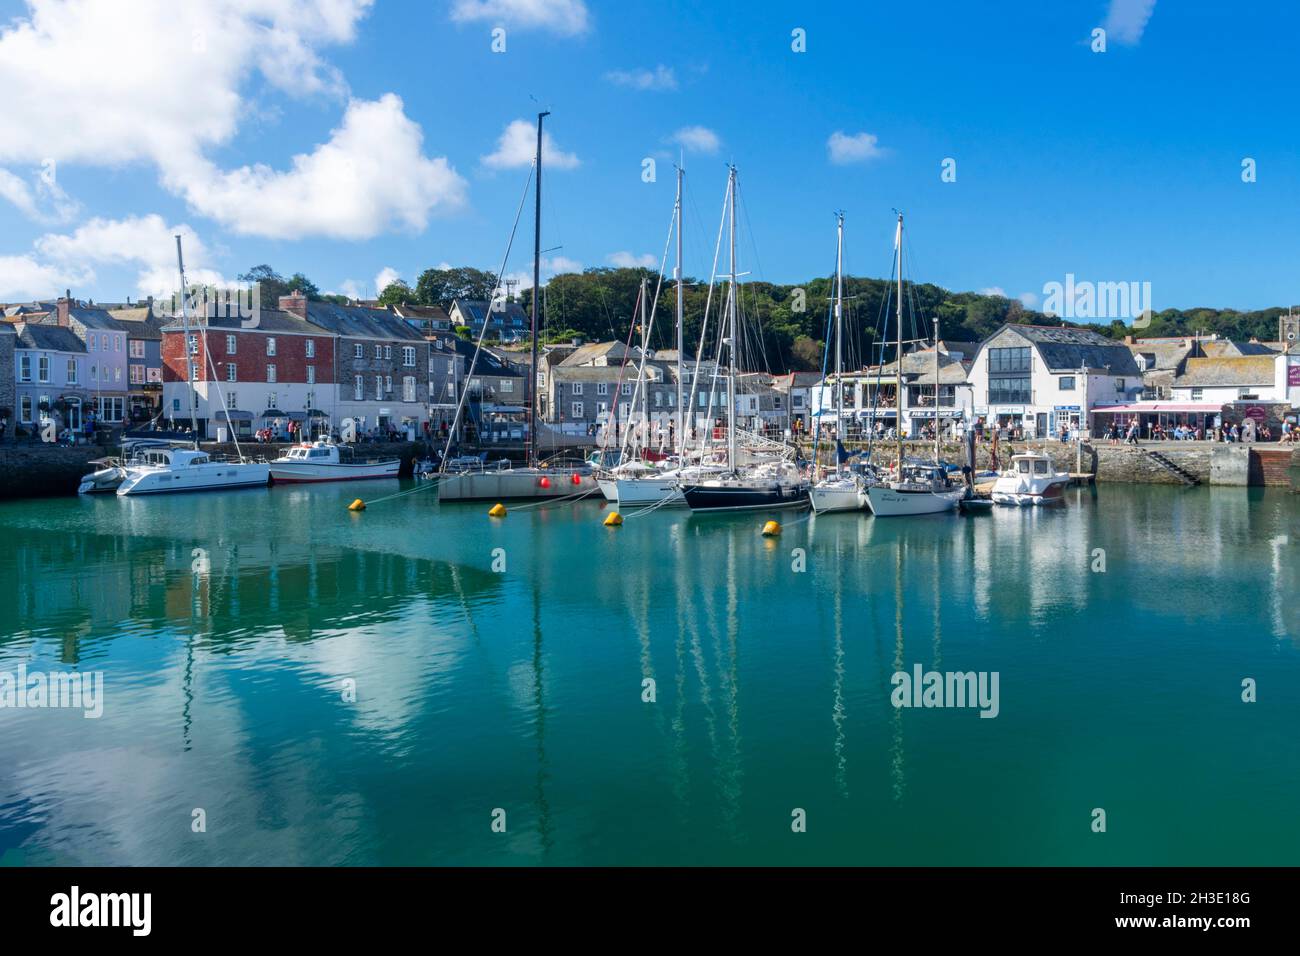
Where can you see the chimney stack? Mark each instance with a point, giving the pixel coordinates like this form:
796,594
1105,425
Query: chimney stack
294,302
61,309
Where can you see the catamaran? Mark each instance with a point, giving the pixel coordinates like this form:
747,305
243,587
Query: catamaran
771,484
163,470
918,487
843,490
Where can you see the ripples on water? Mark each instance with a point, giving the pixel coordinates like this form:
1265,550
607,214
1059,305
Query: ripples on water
522,690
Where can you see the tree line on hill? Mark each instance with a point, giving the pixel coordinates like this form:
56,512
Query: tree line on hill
789,323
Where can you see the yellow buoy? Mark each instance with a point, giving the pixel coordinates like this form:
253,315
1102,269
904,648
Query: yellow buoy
357,505
613,519
497,511
771,529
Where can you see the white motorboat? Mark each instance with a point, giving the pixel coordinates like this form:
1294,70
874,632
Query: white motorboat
326,461
1032,479
166,470
923,489
640,484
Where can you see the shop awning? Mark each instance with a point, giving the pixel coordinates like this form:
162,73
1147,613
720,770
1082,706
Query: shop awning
1153,408
235,415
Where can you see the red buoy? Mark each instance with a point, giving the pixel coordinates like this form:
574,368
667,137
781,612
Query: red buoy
577,479
544,482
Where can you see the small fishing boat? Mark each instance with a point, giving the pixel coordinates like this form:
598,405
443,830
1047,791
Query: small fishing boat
1032,479
326,461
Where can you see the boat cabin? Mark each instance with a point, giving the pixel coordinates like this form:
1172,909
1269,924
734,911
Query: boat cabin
170,457
1038,466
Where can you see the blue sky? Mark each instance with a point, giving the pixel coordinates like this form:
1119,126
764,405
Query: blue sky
1117,166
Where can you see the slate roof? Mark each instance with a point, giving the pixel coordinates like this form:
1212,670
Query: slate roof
1065,349
477,309
97,319
487,364
272,320
1234,370
353,321
1161,356
49,338
612,351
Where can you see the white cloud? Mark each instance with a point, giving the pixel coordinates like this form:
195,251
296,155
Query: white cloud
22,277
146,242
698,139
860,147
517,146
99,83
1028,299
629,260
350,288
551,266
994,290
45,203
566,17
351,187
1127,19
660,78
386,277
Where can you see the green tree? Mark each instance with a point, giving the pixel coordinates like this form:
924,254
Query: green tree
397,293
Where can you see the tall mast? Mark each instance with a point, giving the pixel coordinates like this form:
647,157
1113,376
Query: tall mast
898,356
839,335
681,412
537,281
185,331
731,364
936,390
643,383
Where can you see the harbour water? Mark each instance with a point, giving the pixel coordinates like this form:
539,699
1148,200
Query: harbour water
331,687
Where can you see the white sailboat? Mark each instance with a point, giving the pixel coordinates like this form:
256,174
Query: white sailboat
843,490
168,470
918,487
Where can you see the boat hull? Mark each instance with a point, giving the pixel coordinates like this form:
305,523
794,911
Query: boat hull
837,498
888,503
645,491
293,472
214,477
106,481
705,498
515,484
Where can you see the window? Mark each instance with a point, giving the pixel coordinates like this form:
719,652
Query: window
358,388
602,408
311,374
111,409
135,348
1067,383
311,348
408,388
43,369
270,400
117,343
388,351
1119,384
388,385
194,345
1246,395
24,368
25,408
270,345
1004,361
507,385
659,399
117,374
577,389
232,372
230,344
602,388
90,343
137,374
379,388
575,409
231,400
627,388
408,356
194,371
270,373
94,373
1198,394
103,342
1009,379
379,351
451,366
358,351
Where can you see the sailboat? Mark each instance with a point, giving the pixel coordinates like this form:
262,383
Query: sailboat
643,483
843,490
535,480
169,470
776,483
919,487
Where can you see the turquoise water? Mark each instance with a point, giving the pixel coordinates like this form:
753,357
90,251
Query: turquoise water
521,688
